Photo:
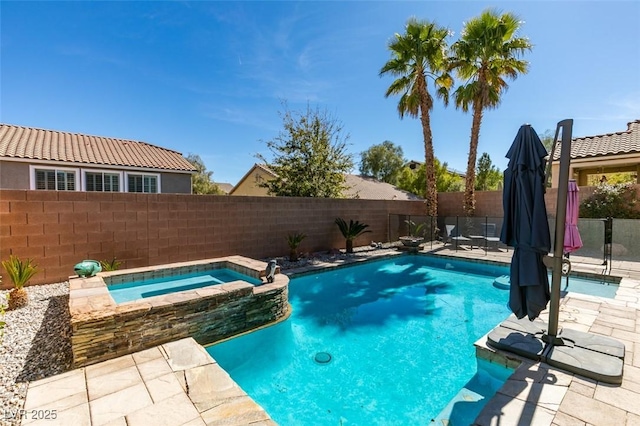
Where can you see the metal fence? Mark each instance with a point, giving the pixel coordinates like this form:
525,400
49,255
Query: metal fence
621,242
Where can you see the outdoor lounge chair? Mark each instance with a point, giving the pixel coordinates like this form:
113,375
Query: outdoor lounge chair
489,234
453,236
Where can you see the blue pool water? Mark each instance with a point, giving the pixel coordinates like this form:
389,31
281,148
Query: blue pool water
399,334
148,288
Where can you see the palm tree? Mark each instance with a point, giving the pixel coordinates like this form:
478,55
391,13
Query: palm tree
418,54
488,52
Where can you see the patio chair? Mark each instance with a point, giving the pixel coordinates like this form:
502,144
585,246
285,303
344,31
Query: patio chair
453,236
489,234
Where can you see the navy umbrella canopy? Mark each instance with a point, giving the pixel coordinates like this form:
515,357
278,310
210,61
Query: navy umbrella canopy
525,226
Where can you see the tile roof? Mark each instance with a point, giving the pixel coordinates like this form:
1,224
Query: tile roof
368,188
625,142
40,144
225,187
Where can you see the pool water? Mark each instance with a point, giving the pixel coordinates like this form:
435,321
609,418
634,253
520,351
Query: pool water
135,290
397,334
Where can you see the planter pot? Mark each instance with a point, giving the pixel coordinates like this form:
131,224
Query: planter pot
412,241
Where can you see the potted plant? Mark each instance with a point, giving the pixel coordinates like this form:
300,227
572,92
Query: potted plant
19,272
414,239
351,231
294,241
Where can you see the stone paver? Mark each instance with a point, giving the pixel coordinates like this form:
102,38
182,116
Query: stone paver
591,411
177,383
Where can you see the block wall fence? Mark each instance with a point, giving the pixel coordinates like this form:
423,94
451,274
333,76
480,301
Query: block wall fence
59,229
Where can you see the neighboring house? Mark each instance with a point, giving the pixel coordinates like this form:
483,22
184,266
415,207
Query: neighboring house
365,188
601,154
368,188
32,158
250,182
224,187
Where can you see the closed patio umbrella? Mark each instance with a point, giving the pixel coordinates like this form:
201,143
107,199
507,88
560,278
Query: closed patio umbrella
572,240
525,226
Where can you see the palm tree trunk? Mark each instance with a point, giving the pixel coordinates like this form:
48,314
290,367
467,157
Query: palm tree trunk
470,179
349,246
425,106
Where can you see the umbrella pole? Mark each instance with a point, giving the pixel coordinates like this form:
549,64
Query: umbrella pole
561,215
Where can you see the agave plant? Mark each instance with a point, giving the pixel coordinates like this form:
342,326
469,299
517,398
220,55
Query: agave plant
294,241
351,231
19,272
112,265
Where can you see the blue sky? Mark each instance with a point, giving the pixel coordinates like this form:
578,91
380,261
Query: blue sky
208,77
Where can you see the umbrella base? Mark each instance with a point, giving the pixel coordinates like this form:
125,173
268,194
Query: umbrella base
589,355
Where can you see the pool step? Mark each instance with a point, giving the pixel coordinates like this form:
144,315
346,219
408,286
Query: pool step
184,284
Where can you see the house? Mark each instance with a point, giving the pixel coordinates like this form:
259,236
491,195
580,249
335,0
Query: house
225,187
595,156
32,158
368,188
362,187
249,184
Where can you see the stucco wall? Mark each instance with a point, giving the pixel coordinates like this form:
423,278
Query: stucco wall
15,175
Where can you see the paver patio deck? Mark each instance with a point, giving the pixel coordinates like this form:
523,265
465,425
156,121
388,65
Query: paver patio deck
178,383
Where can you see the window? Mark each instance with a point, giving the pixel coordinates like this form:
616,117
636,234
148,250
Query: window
142,183
55,180
102,182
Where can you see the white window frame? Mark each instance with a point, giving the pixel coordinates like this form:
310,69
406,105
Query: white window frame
103,171
32,175
143,174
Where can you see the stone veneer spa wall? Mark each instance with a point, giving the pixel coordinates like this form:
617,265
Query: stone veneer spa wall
103,329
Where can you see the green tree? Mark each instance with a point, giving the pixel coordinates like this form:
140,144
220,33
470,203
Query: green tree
447,181
547,140
487,53
413,180
201,182
488,177
310,157
383,162
418,54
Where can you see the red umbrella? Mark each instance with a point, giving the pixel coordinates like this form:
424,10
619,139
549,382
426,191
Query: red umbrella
572,240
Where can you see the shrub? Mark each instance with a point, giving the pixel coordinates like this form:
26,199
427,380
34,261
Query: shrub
294,240
19,272
112,265
618,201
351,231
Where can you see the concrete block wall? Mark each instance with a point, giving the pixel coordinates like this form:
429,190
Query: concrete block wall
58,229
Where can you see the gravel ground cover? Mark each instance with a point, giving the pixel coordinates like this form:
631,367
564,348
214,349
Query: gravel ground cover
35,344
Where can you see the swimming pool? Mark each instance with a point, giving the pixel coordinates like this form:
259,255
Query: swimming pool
141,289
386,342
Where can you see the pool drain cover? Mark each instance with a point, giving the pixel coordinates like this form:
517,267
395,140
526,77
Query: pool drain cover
323,357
